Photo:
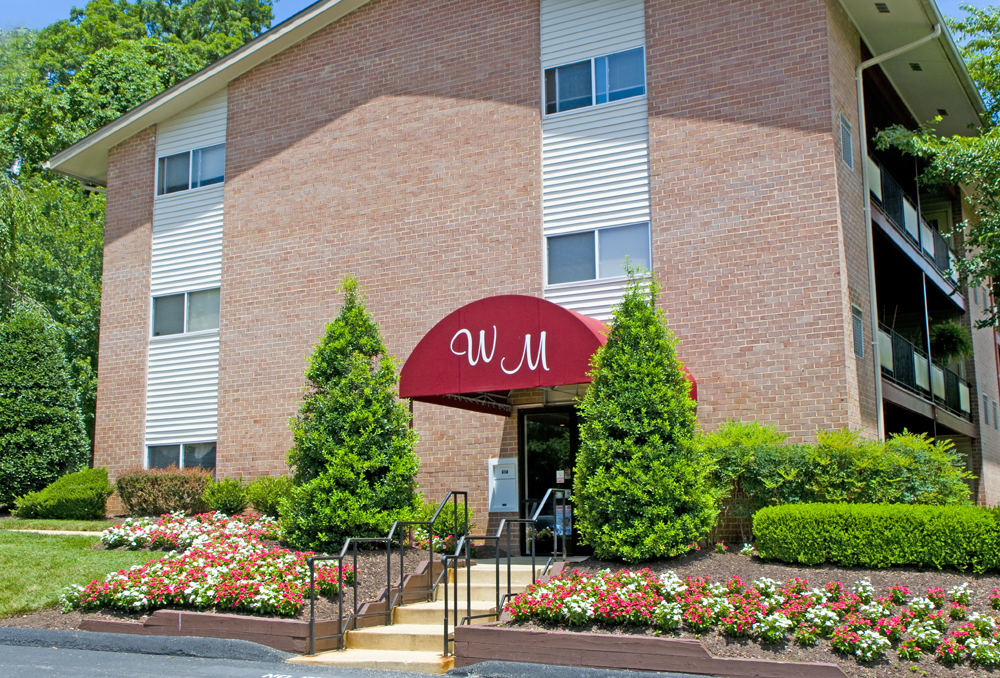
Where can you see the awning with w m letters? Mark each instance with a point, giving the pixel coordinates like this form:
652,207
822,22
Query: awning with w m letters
478,354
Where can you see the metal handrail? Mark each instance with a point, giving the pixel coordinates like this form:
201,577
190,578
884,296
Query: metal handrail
463,550
391,601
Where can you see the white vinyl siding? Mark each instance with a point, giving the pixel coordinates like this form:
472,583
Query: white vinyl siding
187,241
182,388
204,124
595,160
572,30
182,383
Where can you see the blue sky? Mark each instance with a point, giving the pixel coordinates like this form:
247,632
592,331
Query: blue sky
39,13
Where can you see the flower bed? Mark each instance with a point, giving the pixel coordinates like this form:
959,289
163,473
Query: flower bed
857,622
226,566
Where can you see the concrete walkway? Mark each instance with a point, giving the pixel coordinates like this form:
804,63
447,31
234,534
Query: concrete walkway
76,533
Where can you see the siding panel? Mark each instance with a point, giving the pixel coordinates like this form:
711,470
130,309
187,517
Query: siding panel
574,30
187,241
182,391
204,124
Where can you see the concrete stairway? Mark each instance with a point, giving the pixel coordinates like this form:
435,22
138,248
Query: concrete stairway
415,640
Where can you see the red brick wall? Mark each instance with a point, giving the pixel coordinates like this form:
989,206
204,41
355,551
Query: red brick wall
401,145
125,305
746,222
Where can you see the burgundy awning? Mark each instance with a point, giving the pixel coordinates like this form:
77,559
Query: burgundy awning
477,354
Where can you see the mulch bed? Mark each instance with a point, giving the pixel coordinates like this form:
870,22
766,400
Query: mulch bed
371,582
720,567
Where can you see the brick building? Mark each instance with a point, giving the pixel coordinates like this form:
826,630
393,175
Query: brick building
449,152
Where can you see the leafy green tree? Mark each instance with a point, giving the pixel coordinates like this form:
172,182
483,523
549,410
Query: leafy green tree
41,430
353,457
642,489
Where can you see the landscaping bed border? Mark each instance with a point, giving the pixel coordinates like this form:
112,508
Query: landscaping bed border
485,642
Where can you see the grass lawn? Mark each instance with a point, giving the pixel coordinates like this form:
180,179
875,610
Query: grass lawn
34,568
69,525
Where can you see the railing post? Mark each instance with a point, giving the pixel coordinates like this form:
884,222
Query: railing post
355,585
444,568
312,607
388,582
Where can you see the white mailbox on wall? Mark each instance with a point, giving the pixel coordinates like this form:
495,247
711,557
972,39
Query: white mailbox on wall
503,485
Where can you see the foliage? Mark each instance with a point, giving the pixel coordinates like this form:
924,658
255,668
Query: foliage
177,532
46,524
641,488
447,520
41,431
76,496
226,567
267,492
157,491
353,456
949,339
755,466
228,496
35,568
880,535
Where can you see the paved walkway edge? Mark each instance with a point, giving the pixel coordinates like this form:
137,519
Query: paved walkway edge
178,646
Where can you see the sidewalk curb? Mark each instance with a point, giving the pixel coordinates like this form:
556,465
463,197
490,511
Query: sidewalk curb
503,669
182,646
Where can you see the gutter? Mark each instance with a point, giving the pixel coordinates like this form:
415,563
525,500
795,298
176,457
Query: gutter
866,187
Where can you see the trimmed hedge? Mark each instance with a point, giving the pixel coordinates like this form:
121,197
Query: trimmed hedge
227,496
880,535
76,496
267,492
154,492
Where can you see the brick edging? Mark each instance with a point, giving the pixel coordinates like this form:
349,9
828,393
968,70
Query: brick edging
474,644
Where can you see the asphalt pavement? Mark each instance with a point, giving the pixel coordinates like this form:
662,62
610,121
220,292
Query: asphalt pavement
31,653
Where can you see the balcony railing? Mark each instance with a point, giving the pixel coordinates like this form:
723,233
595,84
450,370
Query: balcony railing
904,216
906,365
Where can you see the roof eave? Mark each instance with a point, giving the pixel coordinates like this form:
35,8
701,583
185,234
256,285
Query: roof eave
87,159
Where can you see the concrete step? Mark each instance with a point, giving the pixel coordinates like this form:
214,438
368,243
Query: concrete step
480,592
486,574
433,613
389,660
399,637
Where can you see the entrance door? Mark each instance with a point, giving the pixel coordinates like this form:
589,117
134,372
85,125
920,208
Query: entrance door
549,440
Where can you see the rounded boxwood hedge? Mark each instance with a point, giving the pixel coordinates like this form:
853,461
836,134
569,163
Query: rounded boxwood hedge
880,535
76,496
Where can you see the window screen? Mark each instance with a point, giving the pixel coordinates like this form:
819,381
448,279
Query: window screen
571,258
208,165
996,424
620,76
199,455
857,316
164,456
615,244
846,142
174,173
986,411
168,315
203,310
568,87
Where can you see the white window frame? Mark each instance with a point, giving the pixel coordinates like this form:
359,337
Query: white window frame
185,333
597,253
190,153
847,150
593,83
180,453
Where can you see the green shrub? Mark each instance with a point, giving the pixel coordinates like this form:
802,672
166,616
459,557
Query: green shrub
757,469
446,522
267,492
353,457
41,428
880,535
76,496
154,492
227,496
641,489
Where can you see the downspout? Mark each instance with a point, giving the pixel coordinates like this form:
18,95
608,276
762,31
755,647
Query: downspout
865,186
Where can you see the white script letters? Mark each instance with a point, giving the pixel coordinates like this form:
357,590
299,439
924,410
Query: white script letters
482,346
475,354
526,353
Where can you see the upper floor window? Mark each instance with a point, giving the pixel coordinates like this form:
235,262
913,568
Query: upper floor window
597,254
191,169
197,455
595,81
186,312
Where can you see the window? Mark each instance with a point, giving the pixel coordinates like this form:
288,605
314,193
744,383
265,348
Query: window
986,411
595,81
859,331
189,455
996,424
846,143
597,254
191,169
186,312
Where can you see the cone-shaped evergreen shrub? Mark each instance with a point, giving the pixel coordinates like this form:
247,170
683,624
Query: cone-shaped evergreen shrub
41,428
642,489
353,459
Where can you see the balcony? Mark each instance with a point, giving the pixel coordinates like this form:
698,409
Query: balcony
905,218
906,366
